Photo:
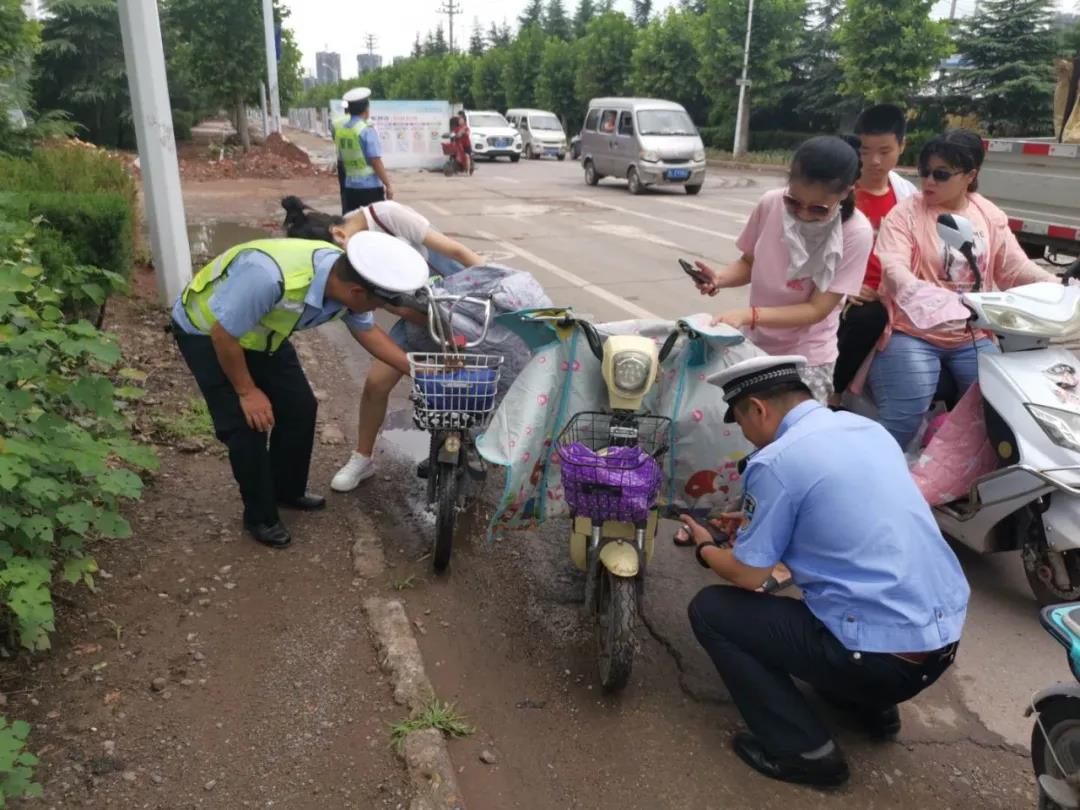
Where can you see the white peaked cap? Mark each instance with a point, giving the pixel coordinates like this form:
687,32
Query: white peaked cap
386,262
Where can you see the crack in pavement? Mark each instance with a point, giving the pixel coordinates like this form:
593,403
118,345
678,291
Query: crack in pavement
677,657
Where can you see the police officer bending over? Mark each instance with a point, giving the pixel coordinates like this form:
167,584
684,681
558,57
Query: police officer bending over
232,323
829,494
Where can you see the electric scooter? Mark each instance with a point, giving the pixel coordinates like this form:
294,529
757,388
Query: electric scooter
1055,737
1031,396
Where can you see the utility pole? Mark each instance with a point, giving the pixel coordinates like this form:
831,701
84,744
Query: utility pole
741,117
370,40
144,58
271,66
450,8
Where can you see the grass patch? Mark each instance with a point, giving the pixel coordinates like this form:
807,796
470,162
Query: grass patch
191,421
771,158
437,714
406,583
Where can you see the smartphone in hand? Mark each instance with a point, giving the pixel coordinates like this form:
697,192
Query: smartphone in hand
693,272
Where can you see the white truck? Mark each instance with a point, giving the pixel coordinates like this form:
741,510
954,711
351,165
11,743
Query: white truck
1037,183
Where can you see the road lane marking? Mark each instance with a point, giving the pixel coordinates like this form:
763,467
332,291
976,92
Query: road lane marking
739,215
438,209
505,179
576,280
673,222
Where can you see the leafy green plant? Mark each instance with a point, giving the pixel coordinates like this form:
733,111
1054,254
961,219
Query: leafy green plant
437,714
67,459
16,763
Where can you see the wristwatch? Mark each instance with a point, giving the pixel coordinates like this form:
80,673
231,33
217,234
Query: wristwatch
702,547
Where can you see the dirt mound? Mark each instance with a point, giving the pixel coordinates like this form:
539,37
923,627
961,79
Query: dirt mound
277,159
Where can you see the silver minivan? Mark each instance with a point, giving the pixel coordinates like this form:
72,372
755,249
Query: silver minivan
541,132
647,141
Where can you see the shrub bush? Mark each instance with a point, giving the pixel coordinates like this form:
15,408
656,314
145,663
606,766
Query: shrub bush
182,121
915,142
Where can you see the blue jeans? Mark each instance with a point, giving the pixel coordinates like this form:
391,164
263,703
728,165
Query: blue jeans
904,379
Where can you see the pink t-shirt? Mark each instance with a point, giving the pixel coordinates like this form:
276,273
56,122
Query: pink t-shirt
763,238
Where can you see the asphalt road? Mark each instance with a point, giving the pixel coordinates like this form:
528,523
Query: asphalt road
613,255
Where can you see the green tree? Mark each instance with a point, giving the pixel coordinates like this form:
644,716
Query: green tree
417,48
290,71
815,95
487,87
458,80
586,12
533,14
1010,46
604,56
18,38
555,88
80,68
1069,38
522,67
476,41
220,33
723,31
642,10
556,23
888,48
500,36
665,62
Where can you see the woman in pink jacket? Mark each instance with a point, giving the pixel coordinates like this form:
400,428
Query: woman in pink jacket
904,376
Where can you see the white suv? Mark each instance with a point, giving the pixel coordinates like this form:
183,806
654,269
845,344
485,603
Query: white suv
492,136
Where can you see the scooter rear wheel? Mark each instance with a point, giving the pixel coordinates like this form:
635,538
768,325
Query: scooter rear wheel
616,615
1060,716
1035,553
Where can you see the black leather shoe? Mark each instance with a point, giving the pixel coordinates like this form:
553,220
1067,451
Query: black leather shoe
274,536
828,771
306,502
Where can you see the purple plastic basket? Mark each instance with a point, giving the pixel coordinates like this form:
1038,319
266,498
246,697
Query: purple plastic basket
613,483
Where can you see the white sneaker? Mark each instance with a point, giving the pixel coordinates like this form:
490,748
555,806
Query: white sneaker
358,468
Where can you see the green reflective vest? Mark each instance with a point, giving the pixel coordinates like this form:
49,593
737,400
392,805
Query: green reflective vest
295,260
350,149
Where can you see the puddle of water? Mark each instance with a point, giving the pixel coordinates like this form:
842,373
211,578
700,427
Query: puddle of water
214,238
412,444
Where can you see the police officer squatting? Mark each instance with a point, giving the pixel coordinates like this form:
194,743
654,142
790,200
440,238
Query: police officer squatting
232,324
829,495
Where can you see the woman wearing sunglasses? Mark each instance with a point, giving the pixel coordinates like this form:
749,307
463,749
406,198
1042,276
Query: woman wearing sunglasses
905,374
804,248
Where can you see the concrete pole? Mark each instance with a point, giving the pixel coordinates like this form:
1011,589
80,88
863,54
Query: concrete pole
265,114
741,116
271,67
144,57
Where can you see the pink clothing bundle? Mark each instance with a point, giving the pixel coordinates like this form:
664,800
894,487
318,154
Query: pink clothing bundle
958,453
763,239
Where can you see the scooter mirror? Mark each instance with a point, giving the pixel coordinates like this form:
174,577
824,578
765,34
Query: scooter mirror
956,231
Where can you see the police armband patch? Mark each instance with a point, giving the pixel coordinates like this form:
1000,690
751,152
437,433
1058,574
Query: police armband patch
748,507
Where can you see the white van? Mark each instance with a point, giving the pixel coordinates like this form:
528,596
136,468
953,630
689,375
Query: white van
492,136
541,132
647,141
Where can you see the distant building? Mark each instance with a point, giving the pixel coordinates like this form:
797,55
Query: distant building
366,62
327,67
310,81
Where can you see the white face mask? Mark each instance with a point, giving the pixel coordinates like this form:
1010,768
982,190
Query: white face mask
815,247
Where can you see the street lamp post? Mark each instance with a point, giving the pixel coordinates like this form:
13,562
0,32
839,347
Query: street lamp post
741,117
145,61
271,66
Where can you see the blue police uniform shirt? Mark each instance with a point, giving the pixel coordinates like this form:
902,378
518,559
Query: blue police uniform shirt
253,285
372,148
832,498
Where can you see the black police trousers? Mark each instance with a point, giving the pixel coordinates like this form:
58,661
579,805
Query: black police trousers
271,468
759,642
353,198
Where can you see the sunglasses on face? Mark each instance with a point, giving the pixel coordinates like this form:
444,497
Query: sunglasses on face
797,206
939,175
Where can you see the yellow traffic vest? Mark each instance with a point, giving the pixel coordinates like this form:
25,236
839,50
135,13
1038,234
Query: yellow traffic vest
295,260
347,140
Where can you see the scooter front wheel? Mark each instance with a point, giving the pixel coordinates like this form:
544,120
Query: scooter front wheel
446,508
1060,717
1049,585
616,615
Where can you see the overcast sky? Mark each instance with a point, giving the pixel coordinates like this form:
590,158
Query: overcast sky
343,25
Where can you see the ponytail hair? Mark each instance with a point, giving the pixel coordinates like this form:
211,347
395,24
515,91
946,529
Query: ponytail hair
302,222
832,162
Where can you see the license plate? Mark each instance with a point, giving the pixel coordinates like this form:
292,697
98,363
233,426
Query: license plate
502,142
678,174
551,151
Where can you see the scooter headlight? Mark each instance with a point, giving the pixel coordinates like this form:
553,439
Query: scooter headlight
1014,320
1061,427
631,372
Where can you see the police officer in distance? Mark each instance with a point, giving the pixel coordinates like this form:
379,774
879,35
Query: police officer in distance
828,494
232,325
361,175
